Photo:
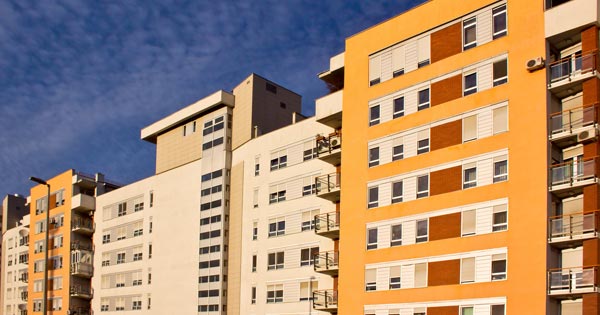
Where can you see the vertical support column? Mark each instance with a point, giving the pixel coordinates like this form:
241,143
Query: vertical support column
591,194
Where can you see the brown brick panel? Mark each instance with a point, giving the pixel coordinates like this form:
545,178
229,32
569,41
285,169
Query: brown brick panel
446,90
446,180
591,198
591,91
446,42
591,304
443,272
446,135
591,255
443,310
52,201
445,226
589,39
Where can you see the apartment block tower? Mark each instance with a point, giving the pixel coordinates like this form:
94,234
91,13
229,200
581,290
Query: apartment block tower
163,243
470,176
72,206
15,254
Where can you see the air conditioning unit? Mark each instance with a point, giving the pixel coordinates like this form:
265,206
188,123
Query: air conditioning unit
586,136
535,64
335,142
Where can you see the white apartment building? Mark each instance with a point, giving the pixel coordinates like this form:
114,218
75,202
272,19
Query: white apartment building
273,209
162,243
15,260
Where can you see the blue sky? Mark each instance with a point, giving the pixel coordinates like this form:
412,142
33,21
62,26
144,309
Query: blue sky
79,79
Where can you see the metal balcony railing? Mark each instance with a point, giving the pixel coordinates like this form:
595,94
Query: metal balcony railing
574,65
328,183
327,222
82,269
573,280
328,144
325,299
326,261
81,291
573,173
82,224
573,119
573,226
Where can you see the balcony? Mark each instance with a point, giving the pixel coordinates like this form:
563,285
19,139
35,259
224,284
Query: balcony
84,270
81,291
576,125
572,282
570,230
83,203
569,178
328,225
82,246
328,186
24,277
328,109
79,311
326,262
325,300
329,148
559,12
566,72
82,225
85,181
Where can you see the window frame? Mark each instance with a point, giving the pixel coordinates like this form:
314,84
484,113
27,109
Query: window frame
502,226
468,90
467,171
372,244
370,202
502,275
397,113
500,80
423,105
421,238
374,156
423,193
498,11
466,25
397,198
421,147
395,241
372,110
398,156
500,177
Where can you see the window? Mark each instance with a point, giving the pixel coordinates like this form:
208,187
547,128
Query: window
374,70
254,262
136,304
467,270
398,152
466,310
500,72
421,276
469,33
423,99
306,288
398,107
500,117
422,186
276,227
468,222
120,280
422,231
105,238
370,280
500,169
278,160
275,293
120,258
372,238
373,197
138,207
395,282
374,115
500,218
137,278
396,235
151,198
308,220
309,186
499,21
137,256
122,209
423,51
422,142
253,301
397,193
310,152
470,84
373,156
256,166
469,176
255,198
212,175
469,128
499,267
255,231
497,309
277,196
398,60
275,261
307,254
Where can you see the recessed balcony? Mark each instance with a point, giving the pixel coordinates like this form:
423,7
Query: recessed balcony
572,282
569,178
82,225
85,181
569,71
328,186
81,291
571,229
325,300
327,262
328,109
83,203
84,270
573,126
328,225
329,147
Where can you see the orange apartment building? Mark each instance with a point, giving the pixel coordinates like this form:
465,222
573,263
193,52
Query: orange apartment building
72,206
470,162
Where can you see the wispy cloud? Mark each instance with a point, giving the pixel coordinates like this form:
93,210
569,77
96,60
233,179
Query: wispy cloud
79,79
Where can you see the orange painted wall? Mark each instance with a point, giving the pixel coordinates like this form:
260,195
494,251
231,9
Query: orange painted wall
526,141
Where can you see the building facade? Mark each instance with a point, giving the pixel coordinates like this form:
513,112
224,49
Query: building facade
15,258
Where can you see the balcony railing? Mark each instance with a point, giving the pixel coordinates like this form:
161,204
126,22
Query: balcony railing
326,262
329,147
573,66
328,186
83,225
82,269
81,291
573,173
575,226
574,280
82,246
79,311
24,296
573,123
328,224
325,300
